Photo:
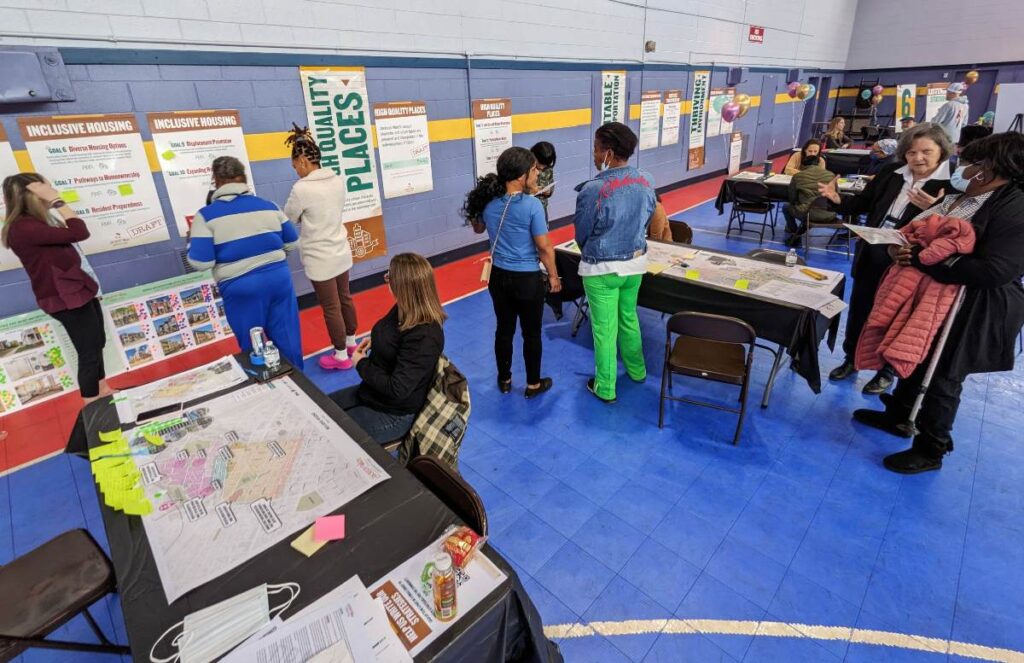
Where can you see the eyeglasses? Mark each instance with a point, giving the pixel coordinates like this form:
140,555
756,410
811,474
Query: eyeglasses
387,276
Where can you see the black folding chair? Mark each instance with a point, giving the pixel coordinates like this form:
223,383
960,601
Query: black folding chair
751,198
841,235
451,489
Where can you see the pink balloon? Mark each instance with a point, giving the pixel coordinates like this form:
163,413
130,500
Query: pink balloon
878,89
792,88
730,111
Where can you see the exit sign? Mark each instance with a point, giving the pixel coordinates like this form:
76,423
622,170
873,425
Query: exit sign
756,34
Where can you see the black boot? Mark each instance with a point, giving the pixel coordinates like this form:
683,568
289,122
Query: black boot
842,371
883,421
925,455
880,383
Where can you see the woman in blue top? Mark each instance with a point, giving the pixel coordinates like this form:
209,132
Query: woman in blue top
517,229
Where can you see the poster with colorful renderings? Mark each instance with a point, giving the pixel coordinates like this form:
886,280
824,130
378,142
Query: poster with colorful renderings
37,361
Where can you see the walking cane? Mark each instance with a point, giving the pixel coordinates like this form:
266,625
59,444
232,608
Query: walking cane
910,426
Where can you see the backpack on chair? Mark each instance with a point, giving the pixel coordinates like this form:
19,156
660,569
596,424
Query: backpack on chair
441,424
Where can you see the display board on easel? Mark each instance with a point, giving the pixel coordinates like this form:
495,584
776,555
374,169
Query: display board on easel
1009,105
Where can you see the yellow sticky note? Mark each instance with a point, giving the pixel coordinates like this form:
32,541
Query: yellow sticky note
111,435
125,189
693,274
742,284
306,544
154,439
70,196
656,267
138,507
114,500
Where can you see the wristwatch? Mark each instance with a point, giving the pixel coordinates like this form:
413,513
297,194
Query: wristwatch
57,203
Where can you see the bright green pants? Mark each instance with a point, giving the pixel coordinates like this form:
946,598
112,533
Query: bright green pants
613,317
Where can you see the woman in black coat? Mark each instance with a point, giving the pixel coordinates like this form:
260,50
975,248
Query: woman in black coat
983,336
896,195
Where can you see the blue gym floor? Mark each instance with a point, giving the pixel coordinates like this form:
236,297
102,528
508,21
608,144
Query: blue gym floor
618,526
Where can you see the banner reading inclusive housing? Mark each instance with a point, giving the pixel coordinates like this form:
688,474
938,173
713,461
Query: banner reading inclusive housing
698,118
339,114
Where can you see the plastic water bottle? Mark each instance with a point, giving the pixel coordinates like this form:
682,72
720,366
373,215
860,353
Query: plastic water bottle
272,356
790,260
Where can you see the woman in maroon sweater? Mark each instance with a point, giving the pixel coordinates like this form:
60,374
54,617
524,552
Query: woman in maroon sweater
62,288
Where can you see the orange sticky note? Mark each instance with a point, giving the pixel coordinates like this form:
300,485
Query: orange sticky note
329,528
306,545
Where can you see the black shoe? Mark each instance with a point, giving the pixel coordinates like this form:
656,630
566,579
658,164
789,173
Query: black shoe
888,400
504,386
545,384
911,461
878,384
590,388
882,421
842,371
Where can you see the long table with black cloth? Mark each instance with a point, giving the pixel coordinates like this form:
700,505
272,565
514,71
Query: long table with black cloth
386,525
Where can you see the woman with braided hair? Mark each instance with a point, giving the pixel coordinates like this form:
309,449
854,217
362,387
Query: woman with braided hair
316,204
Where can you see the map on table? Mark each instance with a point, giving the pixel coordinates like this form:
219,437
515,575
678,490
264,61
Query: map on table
200,382
240,473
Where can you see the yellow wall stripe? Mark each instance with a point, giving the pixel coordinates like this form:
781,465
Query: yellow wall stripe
545,121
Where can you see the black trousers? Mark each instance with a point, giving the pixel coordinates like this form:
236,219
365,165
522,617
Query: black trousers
938,409
517,296
85,327
794,226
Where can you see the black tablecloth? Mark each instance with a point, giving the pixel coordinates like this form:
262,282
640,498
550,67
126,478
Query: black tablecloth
845,164
797,329
776,192
386,525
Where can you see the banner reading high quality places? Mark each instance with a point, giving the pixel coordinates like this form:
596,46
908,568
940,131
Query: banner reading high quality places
906,103
338,109
99,166
8,167
698,118
404,144
670,123
492,132
613,96
186,143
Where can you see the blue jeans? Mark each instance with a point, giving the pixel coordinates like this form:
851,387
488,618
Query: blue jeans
382,426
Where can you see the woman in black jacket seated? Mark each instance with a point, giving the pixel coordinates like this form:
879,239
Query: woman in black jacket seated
896,195
406,344
983,336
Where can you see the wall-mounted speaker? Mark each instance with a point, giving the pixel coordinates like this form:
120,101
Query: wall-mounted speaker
793,75
736,76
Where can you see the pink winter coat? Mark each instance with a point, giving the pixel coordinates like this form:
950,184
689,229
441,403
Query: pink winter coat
910,307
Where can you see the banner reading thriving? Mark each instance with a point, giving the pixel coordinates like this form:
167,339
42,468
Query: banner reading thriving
735,152
99,165
698,118
613,96
37,361
338,110
492,132
404,146
650,119
906,103
933,102
8,167
186,143
670,125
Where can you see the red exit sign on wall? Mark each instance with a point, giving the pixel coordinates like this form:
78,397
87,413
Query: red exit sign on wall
756,34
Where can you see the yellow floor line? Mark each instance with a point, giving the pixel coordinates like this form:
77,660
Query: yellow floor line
785,630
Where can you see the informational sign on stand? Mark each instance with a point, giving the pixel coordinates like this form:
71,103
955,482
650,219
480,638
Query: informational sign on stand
906,103
99,165
37,361
339,114
698,118
186,143
404,145
492,132
613,96
650,119
735,152
670,124
933,102
8,167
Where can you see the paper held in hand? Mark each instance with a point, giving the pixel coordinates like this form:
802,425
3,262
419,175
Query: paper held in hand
877,235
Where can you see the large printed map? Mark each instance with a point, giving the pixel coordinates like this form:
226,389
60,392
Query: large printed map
240,473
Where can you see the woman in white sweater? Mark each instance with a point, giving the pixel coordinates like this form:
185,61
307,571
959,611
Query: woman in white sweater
315,205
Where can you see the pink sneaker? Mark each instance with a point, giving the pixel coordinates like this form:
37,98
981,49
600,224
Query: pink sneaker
331,363
351,349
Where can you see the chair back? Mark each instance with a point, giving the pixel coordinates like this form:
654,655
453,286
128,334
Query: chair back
451,489
748,192
682,233
722,328
775,257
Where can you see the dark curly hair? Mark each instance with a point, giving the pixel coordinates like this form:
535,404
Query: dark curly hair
1001,154
302,143
618,138
545,153
512,164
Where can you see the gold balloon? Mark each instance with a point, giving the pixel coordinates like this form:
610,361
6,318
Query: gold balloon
971,77
875,100
803,91
743,101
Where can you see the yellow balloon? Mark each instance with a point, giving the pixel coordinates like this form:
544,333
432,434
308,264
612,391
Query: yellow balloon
971,77
803,91
743,101
875,100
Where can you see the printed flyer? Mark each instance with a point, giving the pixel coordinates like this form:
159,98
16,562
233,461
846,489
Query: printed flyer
186,143
698,118
670,125
492,132
735,152
37,361
403,142
339,114
8,167
650,119
613,96
99,165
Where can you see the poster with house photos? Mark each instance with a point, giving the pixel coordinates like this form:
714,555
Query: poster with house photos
37,361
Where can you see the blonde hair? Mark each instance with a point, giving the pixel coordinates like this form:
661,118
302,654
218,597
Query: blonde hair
833,128
20,202
412,282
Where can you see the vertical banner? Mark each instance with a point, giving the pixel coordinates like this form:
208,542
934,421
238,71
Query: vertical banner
404,146
99,165
650,119
339,114
936,97
8,167
613,96
698,118
670,124
186,143
492,132
906,103
37,361
735,152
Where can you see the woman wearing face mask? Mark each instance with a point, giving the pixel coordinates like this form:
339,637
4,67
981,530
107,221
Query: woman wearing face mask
809,155
990,194
517,230
883,153
612,214
315,205
899,192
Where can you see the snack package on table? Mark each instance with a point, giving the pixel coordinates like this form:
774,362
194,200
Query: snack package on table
461,543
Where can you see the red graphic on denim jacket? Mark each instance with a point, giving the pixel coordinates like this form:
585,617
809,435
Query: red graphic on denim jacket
611,186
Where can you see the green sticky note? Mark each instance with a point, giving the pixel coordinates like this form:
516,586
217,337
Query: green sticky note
742,284
125,189
70,196
154,439
693,274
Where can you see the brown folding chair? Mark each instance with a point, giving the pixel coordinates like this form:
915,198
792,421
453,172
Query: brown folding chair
47,587
709,347
751,197
837,238
682,233
451,489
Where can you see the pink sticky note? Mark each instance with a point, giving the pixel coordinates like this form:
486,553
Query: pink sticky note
329,528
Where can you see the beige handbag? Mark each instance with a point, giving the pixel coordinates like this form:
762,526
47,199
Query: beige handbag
485,271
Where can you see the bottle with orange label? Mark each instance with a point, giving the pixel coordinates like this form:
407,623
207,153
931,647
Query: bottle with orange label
445,605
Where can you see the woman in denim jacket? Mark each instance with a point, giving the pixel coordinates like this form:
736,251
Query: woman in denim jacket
612,214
